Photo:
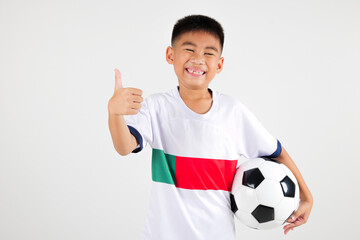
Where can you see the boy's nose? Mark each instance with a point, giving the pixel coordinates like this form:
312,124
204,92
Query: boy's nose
197,59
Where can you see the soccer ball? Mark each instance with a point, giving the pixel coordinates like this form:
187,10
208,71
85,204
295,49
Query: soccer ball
264,193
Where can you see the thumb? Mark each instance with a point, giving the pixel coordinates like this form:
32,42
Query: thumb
118,82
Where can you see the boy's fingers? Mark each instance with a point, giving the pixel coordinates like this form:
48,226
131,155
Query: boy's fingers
287,230
294,216
118,82
136,91
292,225
291,219
296,219
288,227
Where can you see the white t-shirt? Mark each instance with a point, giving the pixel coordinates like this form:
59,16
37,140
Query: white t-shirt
194,159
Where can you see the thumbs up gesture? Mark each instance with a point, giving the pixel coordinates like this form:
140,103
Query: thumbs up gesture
125,101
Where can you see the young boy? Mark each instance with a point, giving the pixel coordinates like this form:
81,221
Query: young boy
197,134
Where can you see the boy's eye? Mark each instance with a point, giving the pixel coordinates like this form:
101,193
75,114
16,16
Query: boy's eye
189,50
209,53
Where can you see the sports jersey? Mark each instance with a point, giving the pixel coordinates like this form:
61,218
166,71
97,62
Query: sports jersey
194,158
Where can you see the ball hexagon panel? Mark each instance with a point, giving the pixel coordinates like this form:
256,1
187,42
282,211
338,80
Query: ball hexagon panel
269,193
252,178
247,219
284,209
263,213
272,170
246,199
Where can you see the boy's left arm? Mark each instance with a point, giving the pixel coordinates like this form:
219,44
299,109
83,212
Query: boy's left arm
301,215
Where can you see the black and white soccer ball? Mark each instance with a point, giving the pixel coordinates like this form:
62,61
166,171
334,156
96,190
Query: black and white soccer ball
264,193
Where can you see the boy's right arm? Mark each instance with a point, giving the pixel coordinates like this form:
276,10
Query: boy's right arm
125,101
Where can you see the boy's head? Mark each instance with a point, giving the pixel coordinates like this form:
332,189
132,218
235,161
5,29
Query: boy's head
198,23
197,43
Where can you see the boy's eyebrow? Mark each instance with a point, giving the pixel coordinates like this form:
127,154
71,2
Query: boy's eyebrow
193,44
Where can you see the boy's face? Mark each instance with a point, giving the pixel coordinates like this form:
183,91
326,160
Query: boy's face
196,57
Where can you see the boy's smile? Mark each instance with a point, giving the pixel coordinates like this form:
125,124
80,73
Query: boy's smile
196,59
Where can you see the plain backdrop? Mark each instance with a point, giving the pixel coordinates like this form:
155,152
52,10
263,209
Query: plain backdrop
294,64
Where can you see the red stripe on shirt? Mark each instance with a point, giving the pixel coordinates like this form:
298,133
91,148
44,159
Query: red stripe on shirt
205,174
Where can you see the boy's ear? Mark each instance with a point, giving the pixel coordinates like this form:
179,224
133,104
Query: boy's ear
220,65
170,55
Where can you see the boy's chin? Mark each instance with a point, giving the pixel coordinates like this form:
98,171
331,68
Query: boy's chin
194,85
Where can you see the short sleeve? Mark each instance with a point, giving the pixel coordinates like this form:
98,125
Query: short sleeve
140,126
253,139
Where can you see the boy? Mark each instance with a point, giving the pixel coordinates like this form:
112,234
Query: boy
197,134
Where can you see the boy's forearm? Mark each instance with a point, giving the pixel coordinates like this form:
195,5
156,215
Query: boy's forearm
124,142
285,159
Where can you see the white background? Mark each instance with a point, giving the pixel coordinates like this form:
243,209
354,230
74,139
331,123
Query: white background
295,64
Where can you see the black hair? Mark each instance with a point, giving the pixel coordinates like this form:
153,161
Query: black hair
193,23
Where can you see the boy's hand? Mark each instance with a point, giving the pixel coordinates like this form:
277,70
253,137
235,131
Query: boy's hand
125,101
300,216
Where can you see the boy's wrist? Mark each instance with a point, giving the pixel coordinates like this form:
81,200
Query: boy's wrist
115,114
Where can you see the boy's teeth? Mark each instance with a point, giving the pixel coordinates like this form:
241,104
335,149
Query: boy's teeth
195,71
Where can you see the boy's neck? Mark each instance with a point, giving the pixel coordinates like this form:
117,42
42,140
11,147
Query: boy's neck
194,94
